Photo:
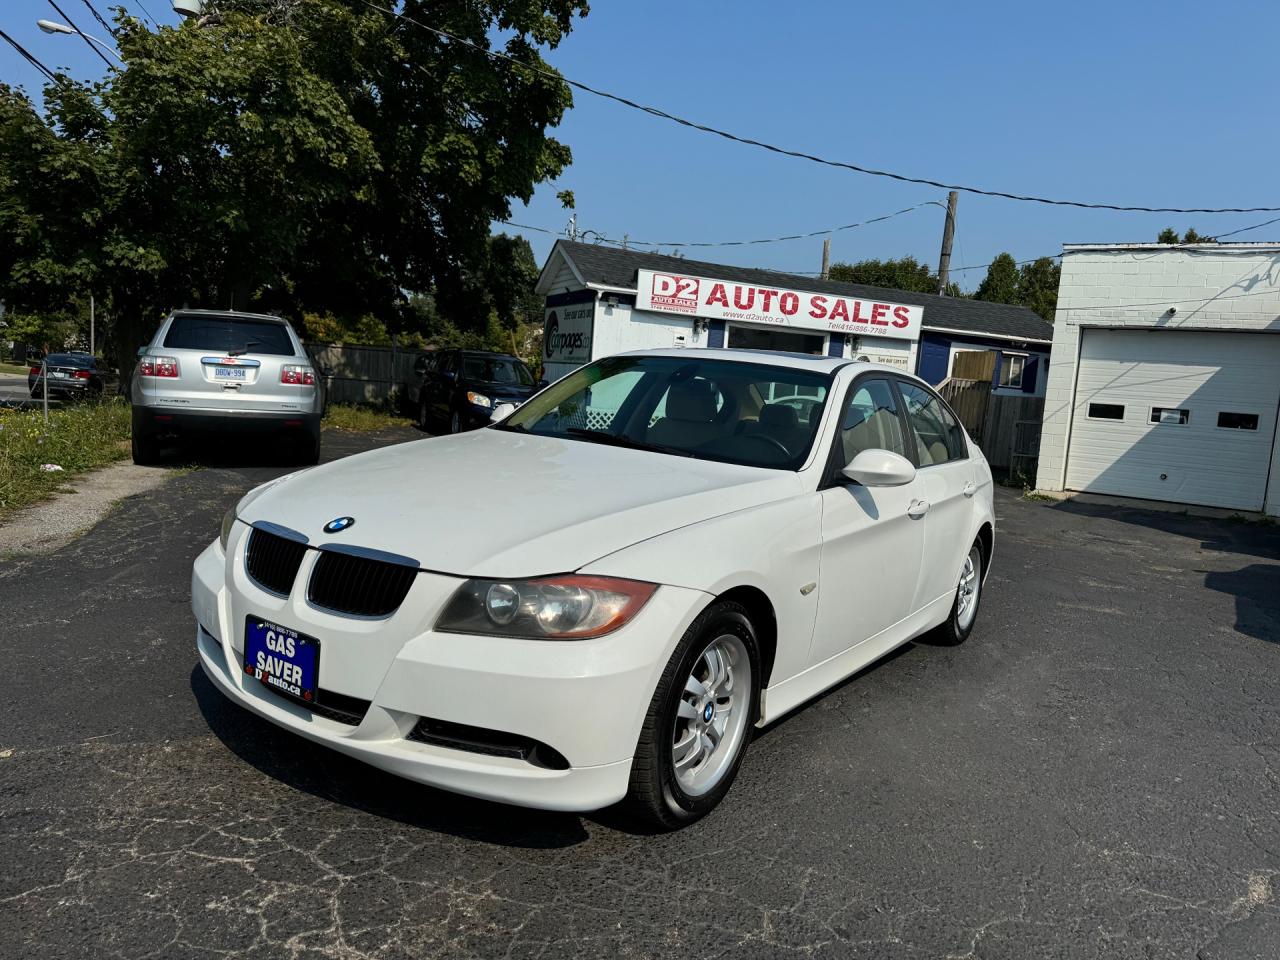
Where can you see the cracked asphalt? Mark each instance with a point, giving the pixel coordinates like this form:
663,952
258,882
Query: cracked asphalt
1096,773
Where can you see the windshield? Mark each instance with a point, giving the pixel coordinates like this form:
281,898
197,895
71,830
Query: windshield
227,334
497,370
750,413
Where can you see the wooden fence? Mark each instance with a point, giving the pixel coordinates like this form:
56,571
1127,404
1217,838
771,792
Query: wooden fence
363,374
996,421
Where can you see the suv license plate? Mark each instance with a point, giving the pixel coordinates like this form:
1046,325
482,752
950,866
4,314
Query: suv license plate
229,373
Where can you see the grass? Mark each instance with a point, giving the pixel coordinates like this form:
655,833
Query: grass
15,369
348,416
79,438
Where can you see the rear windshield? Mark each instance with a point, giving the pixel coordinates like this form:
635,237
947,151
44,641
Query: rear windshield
224,334
68,360
496,370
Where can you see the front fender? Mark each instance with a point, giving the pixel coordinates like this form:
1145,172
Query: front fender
775,547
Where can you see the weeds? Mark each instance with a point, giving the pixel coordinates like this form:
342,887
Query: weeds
346,416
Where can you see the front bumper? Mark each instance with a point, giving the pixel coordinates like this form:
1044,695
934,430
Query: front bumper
585,699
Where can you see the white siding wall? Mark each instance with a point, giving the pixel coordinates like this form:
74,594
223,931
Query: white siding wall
1212,288
563,279
621,328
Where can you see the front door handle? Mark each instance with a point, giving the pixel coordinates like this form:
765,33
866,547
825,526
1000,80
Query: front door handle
918,509
970,489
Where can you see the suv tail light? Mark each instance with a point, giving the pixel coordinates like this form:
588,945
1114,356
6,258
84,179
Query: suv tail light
158,367
294,373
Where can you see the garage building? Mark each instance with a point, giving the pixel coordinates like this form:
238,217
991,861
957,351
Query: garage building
603,300
1166,375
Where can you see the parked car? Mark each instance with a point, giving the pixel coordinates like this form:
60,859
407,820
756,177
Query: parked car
72,376
236,373
459,389
601,595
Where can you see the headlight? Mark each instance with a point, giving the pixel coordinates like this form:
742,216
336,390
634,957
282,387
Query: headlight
228,521
555,608
479,399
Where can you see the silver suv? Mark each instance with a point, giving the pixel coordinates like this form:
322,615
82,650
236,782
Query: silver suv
217,370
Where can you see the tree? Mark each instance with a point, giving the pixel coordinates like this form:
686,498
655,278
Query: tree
510,277
1167,235
315,155
1000,285
1170,235
905,273
1038,286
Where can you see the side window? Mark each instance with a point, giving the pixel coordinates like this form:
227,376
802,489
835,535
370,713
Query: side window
870,421
448,363
939,438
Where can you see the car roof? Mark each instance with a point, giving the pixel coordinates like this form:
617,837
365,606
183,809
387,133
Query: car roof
239,314
776,358
487,353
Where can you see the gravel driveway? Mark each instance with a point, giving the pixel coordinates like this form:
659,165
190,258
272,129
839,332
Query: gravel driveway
1096,773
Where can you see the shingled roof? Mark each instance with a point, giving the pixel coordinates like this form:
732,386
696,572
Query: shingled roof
613,267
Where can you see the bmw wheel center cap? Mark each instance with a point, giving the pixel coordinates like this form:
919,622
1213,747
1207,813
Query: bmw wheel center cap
338,524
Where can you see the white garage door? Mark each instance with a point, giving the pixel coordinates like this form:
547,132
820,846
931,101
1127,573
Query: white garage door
1164,415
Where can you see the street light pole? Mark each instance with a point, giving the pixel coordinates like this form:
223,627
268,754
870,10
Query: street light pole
91,350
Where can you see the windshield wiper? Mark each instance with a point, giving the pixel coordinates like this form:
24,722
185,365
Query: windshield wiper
616,440
245,349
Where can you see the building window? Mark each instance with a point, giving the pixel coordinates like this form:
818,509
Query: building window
1170,416
1106,411
1238,421
1011,370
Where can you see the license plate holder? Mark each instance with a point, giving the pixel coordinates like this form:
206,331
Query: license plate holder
282,659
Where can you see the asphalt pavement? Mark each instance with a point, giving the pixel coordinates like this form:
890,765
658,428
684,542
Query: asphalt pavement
1095,773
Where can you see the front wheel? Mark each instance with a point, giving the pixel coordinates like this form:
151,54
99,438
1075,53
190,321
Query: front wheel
964,609
455,423
696,730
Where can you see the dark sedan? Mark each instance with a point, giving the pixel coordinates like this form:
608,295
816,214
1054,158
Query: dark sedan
461,388
71,376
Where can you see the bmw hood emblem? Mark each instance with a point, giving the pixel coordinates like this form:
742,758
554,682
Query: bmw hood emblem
338,524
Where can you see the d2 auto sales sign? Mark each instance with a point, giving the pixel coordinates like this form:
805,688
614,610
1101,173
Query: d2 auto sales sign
753,303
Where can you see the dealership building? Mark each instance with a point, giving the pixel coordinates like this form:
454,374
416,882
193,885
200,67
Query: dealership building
603,300
1166,375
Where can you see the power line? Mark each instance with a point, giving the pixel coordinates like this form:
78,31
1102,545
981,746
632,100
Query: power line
1265,223
29,57
772,148
88,43
97,16
154,22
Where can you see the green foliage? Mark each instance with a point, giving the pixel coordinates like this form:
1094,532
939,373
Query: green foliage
1033,285
317,156
1167,235
79,437
1170,235
510,276
1000,285
347,416
905,273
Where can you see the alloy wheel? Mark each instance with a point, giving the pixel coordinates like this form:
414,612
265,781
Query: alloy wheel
712,715
969,587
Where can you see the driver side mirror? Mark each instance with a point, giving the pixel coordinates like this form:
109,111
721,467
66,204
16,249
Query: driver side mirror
502,411
880,468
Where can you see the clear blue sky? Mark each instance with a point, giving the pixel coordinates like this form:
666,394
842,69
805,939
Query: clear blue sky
1132,103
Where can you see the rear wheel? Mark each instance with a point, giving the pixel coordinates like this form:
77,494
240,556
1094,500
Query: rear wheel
699,721
309,451
964,609
146,449
424,418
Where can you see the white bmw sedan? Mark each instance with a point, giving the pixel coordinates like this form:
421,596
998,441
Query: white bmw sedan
600,596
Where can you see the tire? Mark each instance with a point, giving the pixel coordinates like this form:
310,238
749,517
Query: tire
146,449
964,609
658,793
424,418
309,450
455,422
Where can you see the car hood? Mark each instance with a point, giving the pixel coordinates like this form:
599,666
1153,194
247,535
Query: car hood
495,503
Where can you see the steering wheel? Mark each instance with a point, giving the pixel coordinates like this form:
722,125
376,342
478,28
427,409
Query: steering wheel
764,437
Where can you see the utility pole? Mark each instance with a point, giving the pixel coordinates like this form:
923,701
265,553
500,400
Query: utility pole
91,324
826,258
948,231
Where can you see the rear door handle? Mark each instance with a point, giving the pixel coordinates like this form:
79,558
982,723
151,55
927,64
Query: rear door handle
918,509
970,489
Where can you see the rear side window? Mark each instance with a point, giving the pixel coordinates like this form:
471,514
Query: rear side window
939,438
224,334
870,421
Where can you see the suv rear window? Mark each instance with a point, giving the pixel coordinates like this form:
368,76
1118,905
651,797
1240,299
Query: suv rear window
224,334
